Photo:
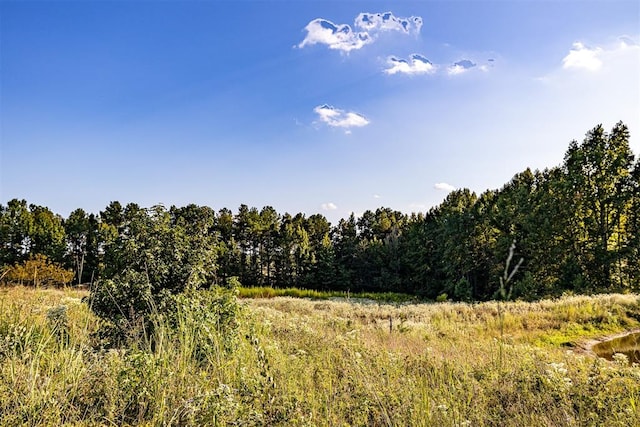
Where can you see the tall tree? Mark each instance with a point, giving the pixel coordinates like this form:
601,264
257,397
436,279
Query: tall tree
632,242
324,273
77,229
345,241
16,225
245,233
417,247
47,234
195,239
229,251
267,228
455,222
599,182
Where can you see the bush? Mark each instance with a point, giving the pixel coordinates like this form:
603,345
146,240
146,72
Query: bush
442,297
37,271
132,310
123,300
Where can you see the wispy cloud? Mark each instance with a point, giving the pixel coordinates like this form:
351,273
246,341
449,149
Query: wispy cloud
443,186
417,64
328,206
376,196
583,57
335,117
460,67
366,28
626,41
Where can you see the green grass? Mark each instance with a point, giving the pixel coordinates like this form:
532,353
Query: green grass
318,362
268,292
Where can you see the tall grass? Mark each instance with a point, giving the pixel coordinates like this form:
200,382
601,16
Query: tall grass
319,363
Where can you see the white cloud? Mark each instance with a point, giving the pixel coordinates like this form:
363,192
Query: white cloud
340,37
444,186
366,27
620,58
388,22
328,206
580,98
626,41
461,67
417,64
582,57
335,117
376,196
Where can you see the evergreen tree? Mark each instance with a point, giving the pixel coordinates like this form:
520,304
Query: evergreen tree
600,185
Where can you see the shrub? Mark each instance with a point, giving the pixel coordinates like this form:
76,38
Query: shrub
131,309
442,297
124,302
37,271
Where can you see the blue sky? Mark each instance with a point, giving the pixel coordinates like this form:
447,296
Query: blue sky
307,106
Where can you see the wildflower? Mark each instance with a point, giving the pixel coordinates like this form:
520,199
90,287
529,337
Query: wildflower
620,359
557,368
557,374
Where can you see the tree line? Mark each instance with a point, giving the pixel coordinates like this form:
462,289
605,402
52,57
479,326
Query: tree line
576,226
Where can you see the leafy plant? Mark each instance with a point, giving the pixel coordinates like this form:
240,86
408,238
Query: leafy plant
124,303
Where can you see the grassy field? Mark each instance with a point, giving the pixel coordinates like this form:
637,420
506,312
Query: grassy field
304,362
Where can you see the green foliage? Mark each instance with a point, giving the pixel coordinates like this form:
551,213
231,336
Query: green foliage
174,249
86,238
599,183
577,226
266,292
130,309
209,320
124,302
155,254
47,235
16,225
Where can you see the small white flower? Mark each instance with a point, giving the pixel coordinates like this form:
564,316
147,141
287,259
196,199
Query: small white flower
621,359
